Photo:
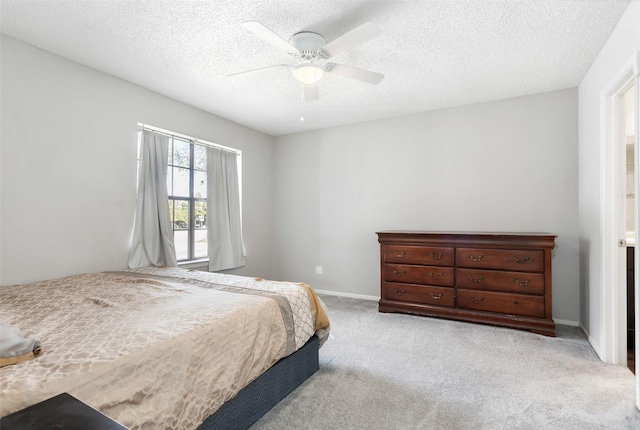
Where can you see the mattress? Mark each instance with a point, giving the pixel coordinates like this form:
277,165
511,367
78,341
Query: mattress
153,348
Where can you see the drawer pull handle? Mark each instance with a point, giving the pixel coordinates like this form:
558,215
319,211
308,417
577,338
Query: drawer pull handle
404,272
434,276
480,278
517,260
476,301
521,284
436,296
437,256
399,254
515,302
474,258
400,292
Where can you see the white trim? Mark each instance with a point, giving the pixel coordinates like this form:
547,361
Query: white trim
606,226
195,264
568,322
613,320
636,71
352,296
612,311
590,340
376,298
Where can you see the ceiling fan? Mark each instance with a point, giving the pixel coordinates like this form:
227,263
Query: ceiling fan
311,51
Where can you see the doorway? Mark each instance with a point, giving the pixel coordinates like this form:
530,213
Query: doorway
620,115
629,114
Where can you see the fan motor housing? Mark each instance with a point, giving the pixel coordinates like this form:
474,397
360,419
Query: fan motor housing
308,41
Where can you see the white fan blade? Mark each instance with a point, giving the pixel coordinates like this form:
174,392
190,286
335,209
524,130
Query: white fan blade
360,34
355,73
311,92
268,35
248,72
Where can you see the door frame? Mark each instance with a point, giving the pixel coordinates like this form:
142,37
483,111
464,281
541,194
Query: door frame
613,172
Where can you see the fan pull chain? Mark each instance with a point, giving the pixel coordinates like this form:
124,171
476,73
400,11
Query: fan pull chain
302,104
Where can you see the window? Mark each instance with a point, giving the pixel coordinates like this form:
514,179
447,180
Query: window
187,193
187,189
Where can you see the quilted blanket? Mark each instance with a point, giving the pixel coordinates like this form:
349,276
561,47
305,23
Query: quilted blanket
153,348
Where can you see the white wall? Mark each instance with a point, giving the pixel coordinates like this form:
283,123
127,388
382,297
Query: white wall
509,165
68,166
622,45
68,145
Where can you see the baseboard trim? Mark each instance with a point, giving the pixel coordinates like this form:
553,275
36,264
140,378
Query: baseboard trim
350,295
376,298
568,322
593,344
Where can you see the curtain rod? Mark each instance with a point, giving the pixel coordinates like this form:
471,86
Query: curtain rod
142,126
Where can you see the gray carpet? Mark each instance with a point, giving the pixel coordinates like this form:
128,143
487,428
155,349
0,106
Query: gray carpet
393,371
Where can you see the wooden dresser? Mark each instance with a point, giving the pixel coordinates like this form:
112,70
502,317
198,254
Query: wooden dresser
494,278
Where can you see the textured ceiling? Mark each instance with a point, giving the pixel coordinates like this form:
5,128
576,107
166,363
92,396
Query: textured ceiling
434,54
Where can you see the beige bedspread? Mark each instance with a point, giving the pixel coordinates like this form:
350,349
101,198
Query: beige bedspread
153,348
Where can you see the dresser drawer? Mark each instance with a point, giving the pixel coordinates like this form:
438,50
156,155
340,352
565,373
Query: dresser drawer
440,296
516,260
418,255
431,275
495,280
512,304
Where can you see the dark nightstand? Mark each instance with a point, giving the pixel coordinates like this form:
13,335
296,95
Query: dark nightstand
63,412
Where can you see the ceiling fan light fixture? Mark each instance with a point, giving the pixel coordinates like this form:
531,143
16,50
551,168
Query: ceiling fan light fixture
308,73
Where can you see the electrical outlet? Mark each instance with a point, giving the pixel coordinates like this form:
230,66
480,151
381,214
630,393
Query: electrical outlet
318,270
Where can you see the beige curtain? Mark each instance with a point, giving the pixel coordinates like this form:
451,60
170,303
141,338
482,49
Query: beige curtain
152,234
224,224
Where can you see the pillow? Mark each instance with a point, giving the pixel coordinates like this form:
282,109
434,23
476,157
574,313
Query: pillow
15,348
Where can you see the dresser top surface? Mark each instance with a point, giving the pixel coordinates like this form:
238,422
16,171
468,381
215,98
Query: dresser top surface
466,233
459,239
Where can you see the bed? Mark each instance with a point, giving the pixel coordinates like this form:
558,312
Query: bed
163,348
